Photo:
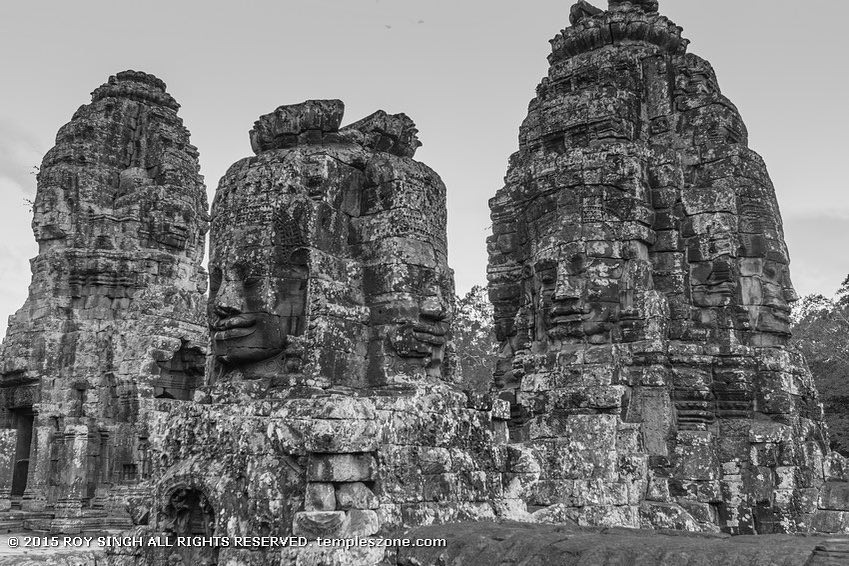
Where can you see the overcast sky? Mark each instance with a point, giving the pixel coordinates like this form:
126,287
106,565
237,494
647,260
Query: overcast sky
464,70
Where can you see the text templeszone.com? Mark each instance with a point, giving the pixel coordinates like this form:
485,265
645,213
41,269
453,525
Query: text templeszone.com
221,541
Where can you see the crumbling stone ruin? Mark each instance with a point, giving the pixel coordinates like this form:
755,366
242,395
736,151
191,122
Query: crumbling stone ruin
640,281
331,408
113,331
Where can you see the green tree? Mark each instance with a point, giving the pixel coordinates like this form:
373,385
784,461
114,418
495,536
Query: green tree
821,333
474,339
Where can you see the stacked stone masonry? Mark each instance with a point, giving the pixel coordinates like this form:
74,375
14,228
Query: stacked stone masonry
640,281
331,407
113,331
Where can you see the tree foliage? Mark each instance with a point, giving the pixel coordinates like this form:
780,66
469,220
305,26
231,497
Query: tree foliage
821,332
474,339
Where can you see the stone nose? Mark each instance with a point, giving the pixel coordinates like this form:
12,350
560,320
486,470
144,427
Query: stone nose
567,287
229,300
434,308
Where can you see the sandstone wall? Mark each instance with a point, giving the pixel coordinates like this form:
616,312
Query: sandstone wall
641,288
113,328
332,408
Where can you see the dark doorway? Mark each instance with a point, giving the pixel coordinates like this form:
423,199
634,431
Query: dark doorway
22,420
188,512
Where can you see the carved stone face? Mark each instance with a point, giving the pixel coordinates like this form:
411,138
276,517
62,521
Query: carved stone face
777,294
171,227
577,296
257,298
560,306
421,328
350,213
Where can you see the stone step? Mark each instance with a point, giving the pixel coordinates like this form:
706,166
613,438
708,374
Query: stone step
11,526
833,552
12,521
90,522
19,513
41,525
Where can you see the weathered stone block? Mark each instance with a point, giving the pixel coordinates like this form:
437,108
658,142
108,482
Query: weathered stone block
355,495
765,431
320,497
312,524
695,456
701,512
835,496
281,128
836,468
600,493
435,460
655,515
342,436
827,521
607,516
341,467
362,523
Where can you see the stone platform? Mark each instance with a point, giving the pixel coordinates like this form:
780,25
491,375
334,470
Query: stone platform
512,544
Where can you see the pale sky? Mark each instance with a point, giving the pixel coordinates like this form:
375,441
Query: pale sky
463,70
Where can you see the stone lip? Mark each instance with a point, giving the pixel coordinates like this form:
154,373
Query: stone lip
294,124
390,133
625,21
136,85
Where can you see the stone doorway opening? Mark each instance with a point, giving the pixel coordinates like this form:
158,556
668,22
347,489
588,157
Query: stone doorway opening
189,513
22,420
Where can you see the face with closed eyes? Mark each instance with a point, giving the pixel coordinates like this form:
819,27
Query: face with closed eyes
560,291
257,297
576,297
421,327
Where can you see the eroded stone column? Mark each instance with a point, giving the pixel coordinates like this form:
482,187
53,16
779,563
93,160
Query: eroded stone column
640,281
116,295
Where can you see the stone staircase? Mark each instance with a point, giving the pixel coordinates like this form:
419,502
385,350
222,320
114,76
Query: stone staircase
16,520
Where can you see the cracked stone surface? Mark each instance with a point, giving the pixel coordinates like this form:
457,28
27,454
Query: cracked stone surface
331,407
513,544
640,281
113,330
641,288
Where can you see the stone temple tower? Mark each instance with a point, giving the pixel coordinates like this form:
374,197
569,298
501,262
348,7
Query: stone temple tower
113,331
331,407
640,280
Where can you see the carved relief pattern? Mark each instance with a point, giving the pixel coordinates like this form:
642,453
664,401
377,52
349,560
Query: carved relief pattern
638,268
115,299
